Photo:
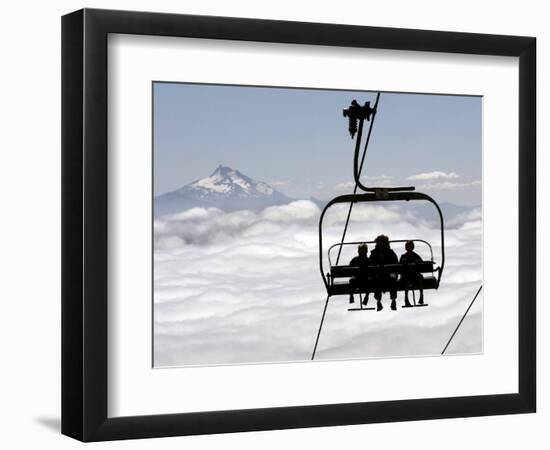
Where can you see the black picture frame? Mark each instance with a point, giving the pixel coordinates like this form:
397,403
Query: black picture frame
84,224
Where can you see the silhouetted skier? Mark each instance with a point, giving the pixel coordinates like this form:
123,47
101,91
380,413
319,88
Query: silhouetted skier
362,261
410,274
382,255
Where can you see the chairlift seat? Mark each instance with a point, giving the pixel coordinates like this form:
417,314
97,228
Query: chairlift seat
369,279
355,271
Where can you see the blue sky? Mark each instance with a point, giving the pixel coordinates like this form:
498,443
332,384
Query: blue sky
297,139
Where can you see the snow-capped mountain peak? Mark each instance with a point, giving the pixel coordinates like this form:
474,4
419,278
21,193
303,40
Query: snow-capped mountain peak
225,180
225,188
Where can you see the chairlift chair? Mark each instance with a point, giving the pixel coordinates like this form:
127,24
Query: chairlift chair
337,279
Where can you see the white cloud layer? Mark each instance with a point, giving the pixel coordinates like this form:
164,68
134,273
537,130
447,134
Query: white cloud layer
446,185
245,286
436,175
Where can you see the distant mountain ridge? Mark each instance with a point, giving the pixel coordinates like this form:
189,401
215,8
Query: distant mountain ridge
226,188
230,190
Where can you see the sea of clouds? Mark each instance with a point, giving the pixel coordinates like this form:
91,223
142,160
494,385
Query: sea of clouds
245,287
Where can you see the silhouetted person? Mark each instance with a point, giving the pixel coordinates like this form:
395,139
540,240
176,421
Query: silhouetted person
362,261
411,274
382,255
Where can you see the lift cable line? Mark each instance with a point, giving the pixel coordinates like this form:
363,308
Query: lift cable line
320,327
462,320
352,129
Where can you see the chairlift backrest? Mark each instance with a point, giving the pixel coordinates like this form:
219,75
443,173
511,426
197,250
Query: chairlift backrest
372,243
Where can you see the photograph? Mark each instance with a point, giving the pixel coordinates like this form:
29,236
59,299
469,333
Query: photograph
298,224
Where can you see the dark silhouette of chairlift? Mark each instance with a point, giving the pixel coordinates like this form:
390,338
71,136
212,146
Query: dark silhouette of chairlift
337,279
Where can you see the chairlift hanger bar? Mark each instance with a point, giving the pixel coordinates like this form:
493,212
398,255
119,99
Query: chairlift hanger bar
357,115
354,114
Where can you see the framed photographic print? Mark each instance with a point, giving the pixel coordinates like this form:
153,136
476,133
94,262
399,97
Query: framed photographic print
273,224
